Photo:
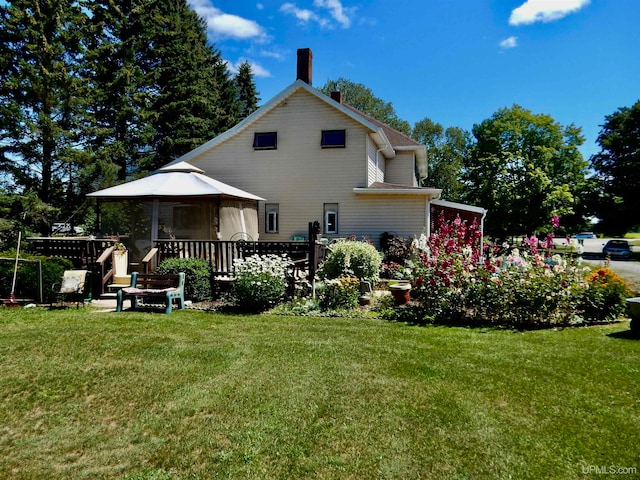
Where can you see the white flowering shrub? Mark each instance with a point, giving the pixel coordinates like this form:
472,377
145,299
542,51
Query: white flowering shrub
260,281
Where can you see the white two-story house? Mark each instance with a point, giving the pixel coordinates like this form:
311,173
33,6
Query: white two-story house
314,158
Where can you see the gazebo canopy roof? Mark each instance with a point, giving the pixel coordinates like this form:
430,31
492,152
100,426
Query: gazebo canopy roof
178,180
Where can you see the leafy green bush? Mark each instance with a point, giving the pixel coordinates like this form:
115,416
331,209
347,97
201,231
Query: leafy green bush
260,281
198,275
352,259
27,277
604,299
339,293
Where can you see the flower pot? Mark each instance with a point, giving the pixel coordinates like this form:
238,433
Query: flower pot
400,292
364,300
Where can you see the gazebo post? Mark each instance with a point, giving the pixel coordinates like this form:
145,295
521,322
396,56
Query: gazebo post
98,220
154,220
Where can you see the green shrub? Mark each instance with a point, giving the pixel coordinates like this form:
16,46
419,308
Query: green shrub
339,293
260,281
352,259
604,299
198,275
27,277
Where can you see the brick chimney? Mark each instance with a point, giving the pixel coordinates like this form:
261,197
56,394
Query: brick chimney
305,61
337,96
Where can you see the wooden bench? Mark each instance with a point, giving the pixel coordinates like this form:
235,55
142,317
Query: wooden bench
148,285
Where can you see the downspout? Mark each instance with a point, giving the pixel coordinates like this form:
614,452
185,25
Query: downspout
484,214
429,213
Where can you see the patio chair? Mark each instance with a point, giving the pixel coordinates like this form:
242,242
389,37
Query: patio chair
121,278
75,286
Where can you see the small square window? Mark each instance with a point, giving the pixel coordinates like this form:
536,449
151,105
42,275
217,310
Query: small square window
265,140
333,139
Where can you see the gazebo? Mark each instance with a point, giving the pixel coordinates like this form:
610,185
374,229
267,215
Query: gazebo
180,202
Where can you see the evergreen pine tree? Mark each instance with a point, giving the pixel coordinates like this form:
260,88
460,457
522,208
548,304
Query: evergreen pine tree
118,126
195,98
247,92
40,95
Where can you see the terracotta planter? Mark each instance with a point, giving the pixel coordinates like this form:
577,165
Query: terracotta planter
400,292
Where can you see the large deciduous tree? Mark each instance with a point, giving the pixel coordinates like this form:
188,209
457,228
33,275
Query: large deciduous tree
446,151
524,168
618,166
361,97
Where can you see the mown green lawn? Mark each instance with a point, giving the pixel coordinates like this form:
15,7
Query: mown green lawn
196,395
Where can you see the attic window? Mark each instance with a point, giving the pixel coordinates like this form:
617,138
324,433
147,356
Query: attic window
333,139
265,140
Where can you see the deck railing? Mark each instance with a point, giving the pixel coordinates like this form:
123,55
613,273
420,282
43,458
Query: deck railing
221,253
82,251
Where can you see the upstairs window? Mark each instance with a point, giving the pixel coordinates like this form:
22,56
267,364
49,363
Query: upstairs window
333,139
265,140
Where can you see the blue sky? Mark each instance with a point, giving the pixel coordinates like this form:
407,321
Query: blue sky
454,61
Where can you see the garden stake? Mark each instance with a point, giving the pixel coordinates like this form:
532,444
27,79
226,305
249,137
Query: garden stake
11,300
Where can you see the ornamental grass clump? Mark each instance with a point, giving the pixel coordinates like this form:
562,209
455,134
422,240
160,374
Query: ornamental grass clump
260,281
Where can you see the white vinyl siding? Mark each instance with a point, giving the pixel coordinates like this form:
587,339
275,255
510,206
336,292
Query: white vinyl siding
401,169
404,215
375,163
300,176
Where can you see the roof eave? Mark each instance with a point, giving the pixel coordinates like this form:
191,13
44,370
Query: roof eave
431,192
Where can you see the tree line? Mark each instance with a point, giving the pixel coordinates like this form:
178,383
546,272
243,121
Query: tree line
93,93
96,92
526,168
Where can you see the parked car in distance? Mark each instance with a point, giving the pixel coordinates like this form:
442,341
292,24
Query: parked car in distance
583,235
65,228
617,249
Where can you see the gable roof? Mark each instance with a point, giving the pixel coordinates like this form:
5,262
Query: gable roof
397,139
386,138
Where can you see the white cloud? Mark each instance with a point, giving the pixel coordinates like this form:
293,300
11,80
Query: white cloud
532,11
510,42
301,14
259,6
338,12
222,24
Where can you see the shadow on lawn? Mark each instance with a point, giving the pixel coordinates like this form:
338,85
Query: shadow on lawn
626,334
